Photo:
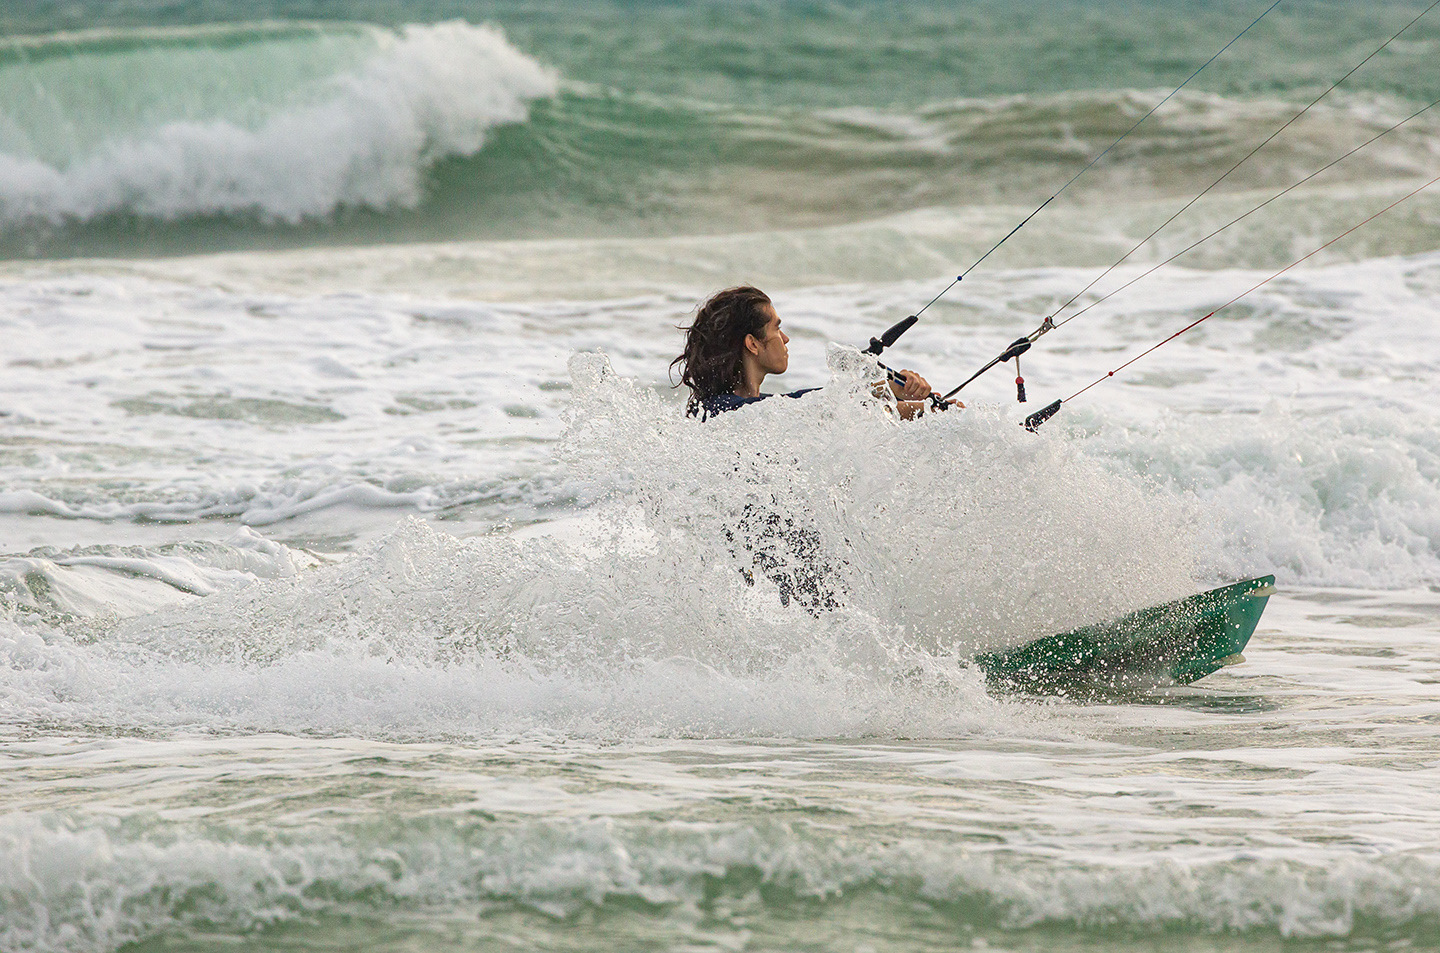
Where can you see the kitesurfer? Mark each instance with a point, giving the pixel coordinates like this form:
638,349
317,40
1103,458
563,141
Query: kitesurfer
735,342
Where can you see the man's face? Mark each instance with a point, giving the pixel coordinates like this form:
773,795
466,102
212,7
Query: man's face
771,352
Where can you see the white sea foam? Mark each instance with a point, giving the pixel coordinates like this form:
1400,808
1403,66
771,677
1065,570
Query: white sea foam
1172,819
1299,422
107,884
120,581
427,93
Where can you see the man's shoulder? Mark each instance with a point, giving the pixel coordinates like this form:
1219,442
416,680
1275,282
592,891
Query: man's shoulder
723,403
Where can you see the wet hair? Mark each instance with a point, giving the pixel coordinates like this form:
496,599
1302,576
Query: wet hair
713,360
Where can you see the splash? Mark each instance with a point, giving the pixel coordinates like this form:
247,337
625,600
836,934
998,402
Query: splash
961,528
801,568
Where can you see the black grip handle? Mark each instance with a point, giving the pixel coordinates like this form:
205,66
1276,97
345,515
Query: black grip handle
1041,415
891,336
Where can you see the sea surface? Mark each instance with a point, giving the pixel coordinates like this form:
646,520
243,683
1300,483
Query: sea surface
363,586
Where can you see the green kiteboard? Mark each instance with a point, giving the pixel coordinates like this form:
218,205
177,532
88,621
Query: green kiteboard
1177,643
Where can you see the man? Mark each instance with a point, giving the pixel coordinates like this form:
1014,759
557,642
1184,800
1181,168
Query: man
736,342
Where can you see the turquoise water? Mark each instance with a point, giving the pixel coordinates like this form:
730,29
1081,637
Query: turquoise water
363,586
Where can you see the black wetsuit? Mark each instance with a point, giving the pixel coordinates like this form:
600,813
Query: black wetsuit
723,403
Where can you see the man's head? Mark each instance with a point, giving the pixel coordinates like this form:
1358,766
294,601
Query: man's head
735,327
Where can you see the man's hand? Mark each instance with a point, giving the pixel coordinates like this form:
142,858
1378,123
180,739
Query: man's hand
914,388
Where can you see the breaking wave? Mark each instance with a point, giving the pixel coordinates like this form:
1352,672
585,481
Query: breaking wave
361,136
110,884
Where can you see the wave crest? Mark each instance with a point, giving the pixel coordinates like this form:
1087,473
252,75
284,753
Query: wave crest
428,92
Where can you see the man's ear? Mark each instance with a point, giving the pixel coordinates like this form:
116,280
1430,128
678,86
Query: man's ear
752,345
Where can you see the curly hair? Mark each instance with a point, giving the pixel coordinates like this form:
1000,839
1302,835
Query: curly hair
712,362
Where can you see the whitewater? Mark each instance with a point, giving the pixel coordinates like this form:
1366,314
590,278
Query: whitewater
363,584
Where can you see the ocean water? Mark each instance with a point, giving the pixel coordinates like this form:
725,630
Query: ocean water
363,585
